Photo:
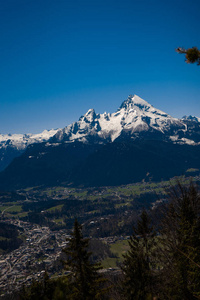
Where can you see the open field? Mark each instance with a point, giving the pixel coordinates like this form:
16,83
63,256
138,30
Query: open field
118,249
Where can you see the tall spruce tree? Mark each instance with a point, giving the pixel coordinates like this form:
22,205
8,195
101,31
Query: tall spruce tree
84,277
137,265
181,244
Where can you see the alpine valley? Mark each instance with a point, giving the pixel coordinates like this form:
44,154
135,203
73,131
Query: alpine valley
136,142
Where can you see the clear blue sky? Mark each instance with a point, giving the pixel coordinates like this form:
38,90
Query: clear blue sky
60,58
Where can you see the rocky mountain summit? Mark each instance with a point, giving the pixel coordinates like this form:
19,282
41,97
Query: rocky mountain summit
135,118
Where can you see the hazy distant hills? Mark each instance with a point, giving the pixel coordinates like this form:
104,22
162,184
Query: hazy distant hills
136,142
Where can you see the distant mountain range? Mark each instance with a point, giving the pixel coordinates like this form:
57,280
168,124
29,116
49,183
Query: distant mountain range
135,142
12,145
135,118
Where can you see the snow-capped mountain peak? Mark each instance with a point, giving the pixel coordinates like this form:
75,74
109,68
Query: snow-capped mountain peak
133,101
89,116
134,117
141,107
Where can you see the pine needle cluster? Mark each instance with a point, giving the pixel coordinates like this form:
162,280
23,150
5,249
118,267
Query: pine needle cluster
192,55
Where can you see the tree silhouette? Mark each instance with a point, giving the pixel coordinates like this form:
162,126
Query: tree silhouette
84,277
137,284
181,243
192,55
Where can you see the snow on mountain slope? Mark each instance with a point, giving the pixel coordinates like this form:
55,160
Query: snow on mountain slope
134,117
191,118
21,141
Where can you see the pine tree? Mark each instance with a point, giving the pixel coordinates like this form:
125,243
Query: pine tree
84,277
146,232
181,244
138,279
